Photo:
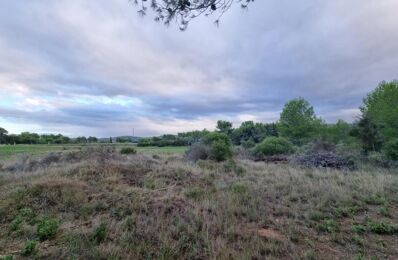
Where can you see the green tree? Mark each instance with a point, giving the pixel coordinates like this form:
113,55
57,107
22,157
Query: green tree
3,135
339,132
369,134
391,149
298,122
381,107
92,139
224,127
29,138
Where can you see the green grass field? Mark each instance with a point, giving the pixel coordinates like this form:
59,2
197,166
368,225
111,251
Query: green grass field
11,152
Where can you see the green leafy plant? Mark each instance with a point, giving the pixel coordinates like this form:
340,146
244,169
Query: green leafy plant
100,233
195,193
274,146
30,247
329,226
220,151
128,150
358,228
47,228
382,227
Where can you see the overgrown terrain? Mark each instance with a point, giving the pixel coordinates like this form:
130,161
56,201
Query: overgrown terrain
100,204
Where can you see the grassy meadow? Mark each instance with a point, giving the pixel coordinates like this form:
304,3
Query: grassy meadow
12,152
96,203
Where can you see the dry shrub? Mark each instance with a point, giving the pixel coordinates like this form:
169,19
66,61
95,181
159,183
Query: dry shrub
56,192
198,152
324,159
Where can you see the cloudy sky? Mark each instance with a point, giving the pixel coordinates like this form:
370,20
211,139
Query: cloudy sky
94,67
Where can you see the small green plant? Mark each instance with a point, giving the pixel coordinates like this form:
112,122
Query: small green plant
7,257
47,228
130,223
128,150
310,255
100,233
274,146
329,226
382,228
195,193
357,240
317,216
27,213
358,228
30,248
375,199
239,188
385,211
16,223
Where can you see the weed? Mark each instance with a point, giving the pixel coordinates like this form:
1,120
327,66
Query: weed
358,228
130,223
385,211
317,216
128,150
382,228
310,255
357,240
30,247
239,189
375,199
329,225
16,224
7,257
47,228
195,193
100,233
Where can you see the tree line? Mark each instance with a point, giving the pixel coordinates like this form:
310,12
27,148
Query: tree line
376,130
34,138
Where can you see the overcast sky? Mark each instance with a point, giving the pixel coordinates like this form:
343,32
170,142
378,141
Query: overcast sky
94,67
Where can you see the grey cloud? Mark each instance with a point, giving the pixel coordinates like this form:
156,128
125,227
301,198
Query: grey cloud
331,53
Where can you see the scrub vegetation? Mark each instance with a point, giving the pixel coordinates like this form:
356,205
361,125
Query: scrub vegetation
295,189
101,204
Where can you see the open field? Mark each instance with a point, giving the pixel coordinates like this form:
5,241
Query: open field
11,152
98,204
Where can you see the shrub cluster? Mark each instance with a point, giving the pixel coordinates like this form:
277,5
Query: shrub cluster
128,150
274,146
391,149
215,146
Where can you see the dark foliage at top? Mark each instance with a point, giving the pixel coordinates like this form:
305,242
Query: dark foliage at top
183,11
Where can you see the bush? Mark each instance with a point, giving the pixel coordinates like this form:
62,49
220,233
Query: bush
220,146
274,146
198,152
391,149
128,150
30,247
381,160
213,137
382,228
100,233
220,151
47,228
248,144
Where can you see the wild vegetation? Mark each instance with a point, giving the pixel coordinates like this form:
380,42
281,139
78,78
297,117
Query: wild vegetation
100,204
295,189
